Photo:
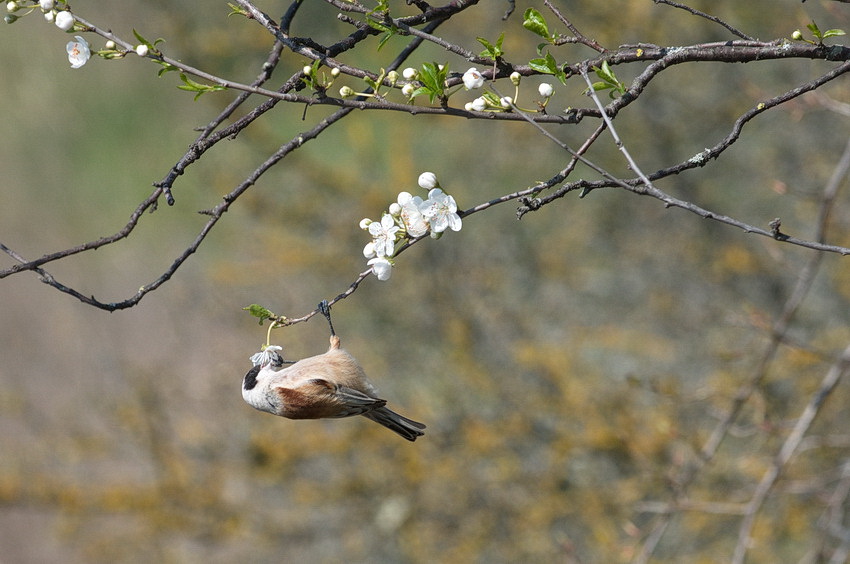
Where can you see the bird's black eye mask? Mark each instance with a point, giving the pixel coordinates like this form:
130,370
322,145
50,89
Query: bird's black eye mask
250,380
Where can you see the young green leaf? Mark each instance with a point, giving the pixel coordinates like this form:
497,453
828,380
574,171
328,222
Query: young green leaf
609,81
192,86
813,27
166,67
491,50
548,65
259,311
433,79
533,21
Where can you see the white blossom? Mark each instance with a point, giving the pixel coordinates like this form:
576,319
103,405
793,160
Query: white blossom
381,268
545,90
414,221
46,5
267,356
440,210
142,50
408,89
472,79
64,20
383,235
506,102
409,73
369,250
78,52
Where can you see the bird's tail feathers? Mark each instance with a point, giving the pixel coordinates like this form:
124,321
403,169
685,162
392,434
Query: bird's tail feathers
407,428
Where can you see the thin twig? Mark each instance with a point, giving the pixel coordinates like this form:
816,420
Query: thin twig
804,283
838,370
709,17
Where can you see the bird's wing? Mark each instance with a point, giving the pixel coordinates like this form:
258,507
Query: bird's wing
317,398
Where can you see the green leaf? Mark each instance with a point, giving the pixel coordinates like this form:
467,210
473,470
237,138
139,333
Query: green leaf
609,81
380,26
813,27
237,10
387,36
546,64
192,86
833,33
142,40
533,21
166,67
259,311
491,50
549,65
433,80
605,73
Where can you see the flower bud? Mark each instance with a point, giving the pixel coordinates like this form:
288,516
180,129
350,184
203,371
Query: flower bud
142,50
46,5
546,90
479,104
797,35
346,92
428,180
307,70
409,73
64,20
516,78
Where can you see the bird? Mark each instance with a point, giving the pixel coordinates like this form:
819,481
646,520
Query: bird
329,385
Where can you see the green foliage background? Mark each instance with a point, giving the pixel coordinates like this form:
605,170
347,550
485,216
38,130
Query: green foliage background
566,364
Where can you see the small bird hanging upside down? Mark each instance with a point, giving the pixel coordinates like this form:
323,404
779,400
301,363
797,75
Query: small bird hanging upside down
327,385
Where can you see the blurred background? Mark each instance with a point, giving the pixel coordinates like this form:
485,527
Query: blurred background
567,365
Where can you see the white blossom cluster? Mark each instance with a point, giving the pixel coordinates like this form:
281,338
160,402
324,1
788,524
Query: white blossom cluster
78,50
409,217
58,12
473,80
